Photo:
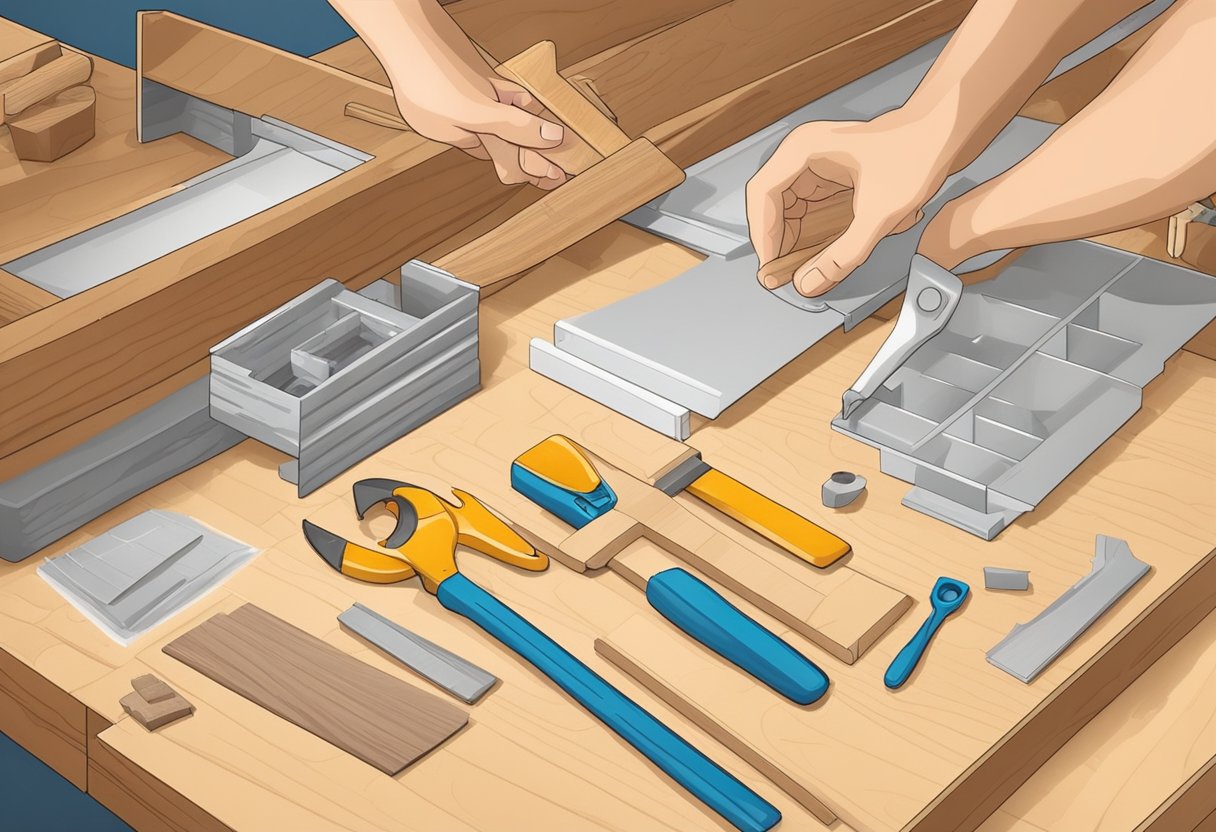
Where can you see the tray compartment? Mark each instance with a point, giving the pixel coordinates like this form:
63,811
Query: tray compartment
1090,348
333,358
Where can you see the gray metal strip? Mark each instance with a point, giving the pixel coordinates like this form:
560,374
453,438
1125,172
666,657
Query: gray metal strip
1030,648
459,677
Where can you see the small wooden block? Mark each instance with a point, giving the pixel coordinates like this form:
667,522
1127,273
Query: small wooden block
68,70
151,688
23,63
54,128
153,715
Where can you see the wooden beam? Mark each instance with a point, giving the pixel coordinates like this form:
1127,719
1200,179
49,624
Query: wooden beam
622,182
1192,806
725,48
742,110
19,298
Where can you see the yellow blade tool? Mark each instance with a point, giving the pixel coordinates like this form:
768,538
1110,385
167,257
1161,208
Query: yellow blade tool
791,531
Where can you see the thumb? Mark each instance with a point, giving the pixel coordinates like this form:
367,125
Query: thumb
838,260
517,126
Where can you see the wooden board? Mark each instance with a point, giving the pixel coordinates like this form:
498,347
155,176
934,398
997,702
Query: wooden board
726,48
1153,484
19,298
839,609
42,719
379,719
1138,754
16,39
1192,807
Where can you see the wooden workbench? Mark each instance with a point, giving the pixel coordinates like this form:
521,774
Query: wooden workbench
531,759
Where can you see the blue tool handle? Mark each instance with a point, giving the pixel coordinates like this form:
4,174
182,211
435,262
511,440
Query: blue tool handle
697,609
662,746
906,660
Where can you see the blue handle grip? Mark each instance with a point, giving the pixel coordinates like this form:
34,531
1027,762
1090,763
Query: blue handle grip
906,660
697,609
719,790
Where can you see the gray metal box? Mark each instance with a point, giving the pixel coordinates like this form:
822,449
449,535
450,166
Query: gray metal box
333,376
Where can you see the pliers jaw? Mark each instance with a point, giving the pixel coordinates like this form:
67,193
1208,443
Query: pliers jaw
356,561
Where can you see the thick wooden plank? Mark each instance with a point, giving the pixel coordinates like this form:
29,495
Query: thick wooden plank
607,190
18,298
43,719
377,718
1192,807
143,801
737,112
725,48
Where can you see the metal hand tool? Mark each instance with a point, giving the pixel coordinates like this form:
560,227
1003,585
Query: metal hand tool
932,296
426,536
558,476
948,595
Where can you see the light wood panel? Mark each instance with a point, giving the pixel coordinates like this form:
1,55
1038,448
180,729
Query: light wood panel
18,298
141,800
43,719
1131,758
726,48
1192,807
16,39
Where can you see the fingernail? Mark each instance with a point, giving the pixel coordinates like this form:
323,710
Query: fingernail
551,132
554,171
768,281
811,283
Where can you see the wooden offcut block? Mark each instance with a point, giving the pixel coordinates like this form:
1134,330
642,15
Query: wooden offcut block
153,703
55,127
68,70
151,688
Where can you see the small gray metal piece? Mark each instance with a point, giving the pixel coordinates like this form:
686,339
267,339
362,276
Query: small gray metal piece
682,476
1014,580
1030,647
459,677
932,296
842,488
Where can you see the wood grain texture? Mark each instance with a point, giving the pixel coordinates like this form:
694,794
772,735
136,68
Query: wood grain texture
536,69
130,792
55,127
16,39
696,683
19,298
838,609
23,63
1142,752
68,70
623,181
737,111
379,719
1152,484
1192,807
724,49
43,719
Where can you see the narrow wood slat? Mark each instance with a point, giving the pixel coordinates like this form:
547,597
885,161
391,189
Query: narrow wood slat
381,720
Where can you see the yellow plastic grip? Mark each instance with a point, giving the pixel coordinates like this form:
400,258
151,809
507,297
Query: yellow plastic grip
792,532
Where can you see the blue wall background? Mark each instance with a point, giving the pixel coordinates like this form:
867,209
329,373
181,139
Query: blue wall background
33,798
107,27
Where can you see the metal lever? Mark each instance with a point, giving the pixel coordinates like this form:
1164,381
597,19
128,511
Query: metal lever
932,296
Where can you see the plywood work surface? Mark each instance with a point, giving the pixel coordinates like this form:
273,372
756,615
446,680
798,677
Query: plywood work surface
526,733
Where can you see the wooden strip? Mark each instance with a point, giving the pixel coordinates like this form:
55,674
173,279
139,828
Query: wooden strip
608,190
66,71
536,69
1192,807
989,781
711,694
734,114
248,76
129,791
840,610
26,62
43,719
19,298
376,717
725,48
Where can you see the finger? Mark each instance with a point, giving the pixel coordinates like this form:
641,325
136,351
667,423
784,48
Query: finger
513,94
766,195
811,187
516,126
793,228
908,222
506,160
842,256
538,166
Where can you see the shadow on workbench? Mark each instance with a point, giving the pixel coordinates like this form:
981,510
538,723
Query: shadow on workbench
36,799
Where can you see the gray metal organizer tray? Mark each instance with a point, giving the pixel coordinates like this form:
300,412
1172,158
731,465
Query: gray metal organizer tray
1035,370
333,376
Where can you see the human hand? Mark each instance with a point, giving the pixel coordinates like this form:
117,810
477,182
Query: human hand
486,116
890,165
